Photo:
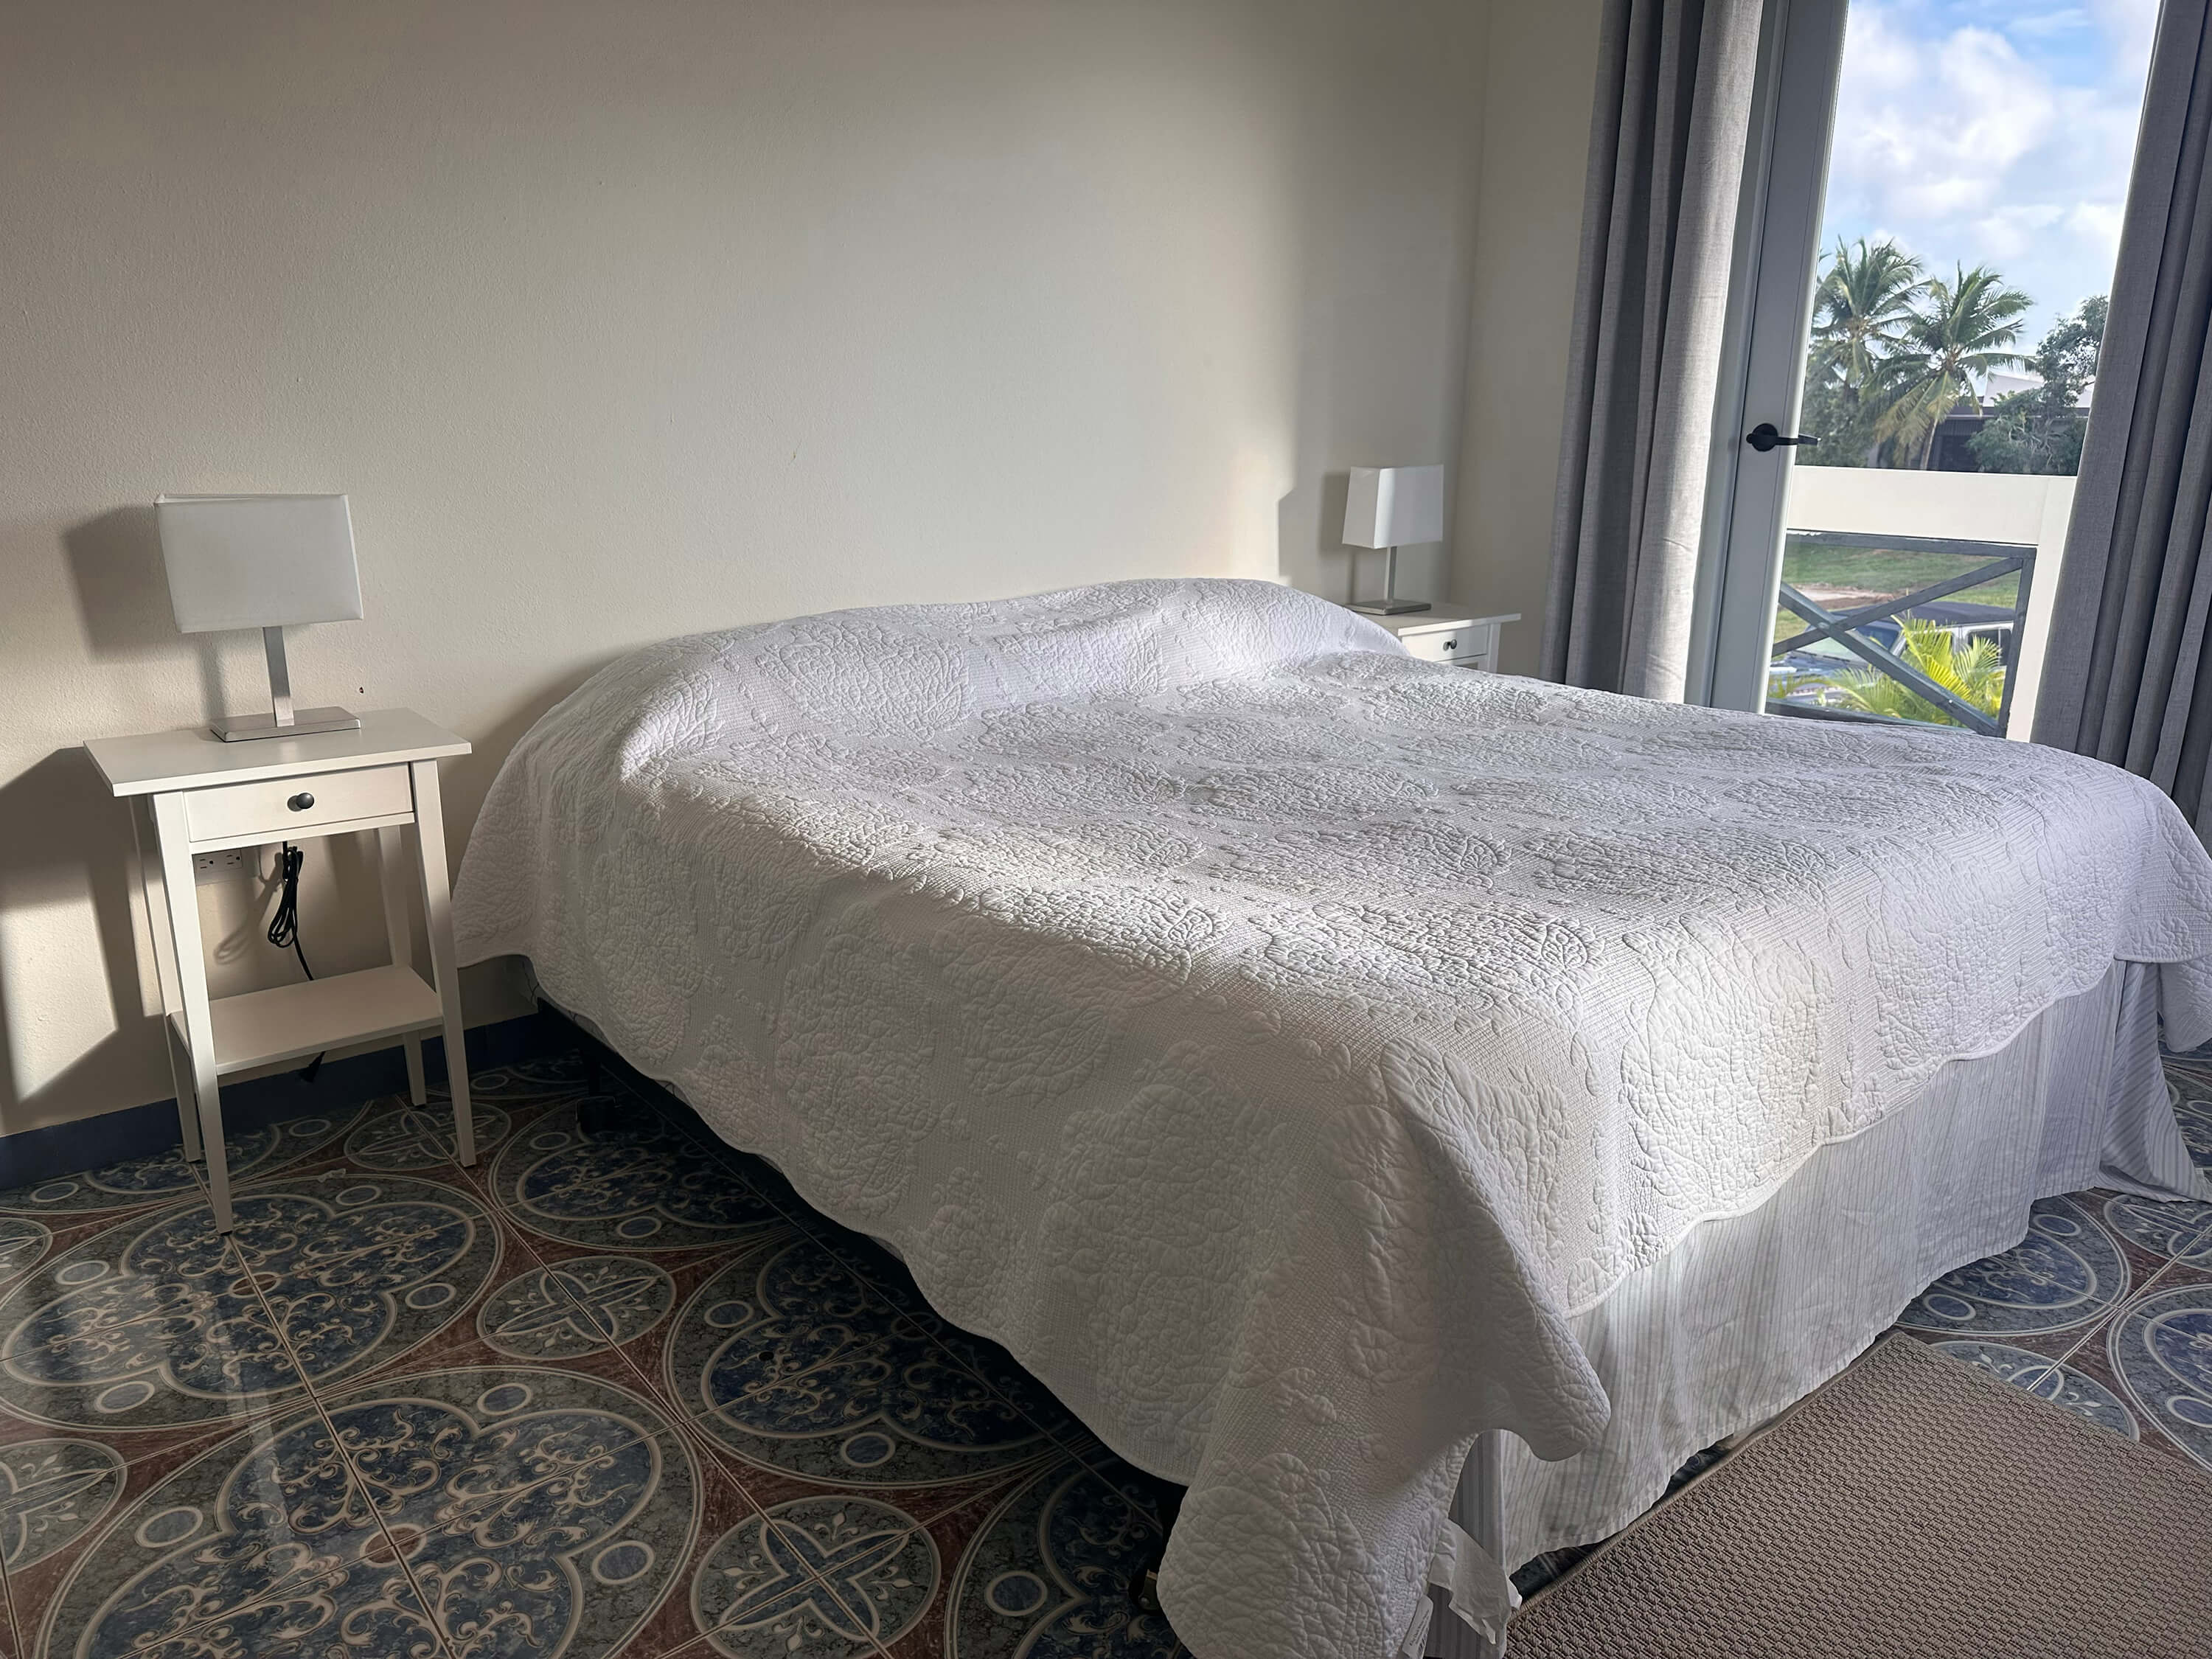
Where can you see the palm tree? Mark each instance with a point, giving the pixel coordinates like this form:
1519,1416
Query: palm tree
1863,308
1860,313
1960,330
1975,674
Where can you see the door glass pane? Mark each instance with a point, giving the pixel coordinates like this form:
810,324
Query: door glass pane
1975,188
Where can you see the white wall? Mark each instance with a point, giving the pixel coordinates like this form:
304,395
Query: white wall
622,320
1541,73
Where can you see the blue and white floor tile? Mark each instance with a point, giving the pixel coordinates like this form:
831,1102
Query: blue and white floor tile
2106,1307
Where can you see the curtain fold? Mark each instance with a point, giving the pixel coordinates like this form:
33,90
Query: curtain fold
2126,676
1667,153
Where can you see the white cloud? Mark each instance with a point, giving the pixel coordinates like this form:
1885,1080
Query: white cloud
2005,142
2127,27
2044,24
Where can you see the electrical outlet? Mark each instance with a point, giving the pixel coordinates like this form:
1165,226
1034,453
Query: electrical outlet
232,864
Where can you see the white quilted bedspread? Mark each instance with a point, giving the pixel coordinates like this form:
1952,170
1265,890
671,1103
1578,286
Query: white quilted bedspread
1271,1038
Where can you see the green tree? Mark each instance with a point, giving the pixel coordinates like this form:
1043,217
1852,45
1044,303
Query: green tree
1862,312
1959,332
2040,430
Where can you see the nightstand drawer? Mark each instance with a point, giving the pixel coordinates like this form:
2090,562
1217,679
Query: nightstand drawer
270,811
1474,645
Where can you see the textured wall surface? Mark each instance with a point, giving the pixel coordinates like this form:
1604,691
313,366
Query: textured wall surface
624,321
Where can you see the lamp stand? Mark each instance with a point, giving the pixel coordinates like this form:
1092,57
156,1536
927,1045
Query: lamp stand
282,720
1389,604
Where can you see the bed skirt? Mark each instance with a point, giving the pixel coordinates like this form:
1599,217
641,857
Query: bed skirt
1750,1313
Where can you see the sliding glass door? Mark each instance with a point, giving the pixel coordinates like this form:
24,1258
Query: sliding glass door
1931,234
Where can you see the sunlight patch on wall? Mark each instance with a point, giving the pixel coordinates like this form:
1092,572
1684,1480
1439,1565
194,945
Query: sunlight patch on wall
53,989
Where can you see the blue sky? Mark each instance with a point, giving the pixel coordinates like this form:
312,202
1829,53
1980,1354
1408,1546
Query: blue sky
1979,131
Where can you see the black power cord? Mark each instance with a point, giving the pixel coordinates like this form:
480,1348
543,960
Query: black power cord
284,927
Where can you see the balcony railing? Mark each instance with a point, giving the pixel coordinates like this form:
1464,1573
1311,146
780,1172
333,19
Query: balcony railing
1871,632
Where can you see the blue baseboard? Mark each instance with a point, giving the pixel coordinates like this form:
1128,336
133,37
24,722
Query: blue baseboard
90,1143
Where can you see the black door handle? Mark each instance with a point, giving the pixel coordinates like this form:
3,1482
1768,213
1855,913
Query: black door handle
1766,436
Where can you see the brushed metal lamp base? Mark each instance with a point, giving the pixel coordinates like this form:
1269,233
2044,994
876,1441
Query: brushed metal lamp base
1388,606
239,728
282,720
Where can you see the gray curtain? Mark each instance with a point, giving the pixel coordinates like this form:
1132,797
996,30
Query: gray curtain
2126,676
1667,155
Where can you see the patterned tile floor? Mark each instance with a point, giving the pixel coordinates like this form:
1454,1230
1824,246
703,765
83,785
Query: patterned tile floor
2105,1308
622,1395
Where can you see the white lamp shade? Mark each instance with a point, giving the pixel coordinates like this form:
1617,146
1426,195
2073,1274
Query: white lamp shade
1394,506
257,560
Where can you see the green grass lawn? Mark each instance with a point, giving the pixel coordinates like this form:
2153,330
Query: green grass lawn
1808,563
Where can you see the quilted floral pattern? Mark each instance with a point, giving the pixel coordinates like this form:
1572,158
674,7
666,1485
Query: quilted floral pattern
1187,983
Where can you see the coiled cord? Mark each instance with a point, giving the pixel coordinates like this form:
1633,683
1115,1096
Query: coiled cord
284,928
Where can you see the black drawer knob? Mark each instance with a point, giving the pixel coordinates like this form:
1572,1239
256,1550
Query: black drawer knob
301,802
1451,645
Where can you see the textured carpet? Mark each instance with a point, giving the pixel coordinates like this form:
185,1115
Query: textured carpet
1913,1508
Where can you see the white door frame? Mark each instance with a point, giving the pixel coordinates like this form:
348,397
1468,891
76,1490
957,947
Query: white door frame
1771,305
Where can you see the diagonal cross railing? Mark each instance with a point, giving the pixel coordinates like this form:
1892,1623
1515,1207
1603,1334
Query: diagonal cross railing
1842,626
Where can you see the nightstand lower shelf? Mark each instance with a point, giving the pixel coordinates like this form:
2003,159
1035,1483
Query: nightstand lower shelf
289,1022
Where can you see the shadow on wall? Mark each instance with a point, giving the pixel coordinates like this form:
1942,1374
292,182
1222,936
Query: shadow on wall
69,1032
1329,553
75,1023
123,597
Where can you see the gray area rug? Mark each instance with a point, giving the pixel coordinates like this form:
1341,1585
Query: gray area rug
1912,1509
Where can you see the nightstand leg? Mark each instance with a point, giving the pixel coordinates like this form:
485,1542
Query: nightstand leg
438,920
155,893
392,854
191,983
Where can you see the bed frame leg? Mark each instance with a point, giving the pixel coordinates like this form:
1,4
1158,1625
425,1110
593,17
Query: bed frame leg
597,1114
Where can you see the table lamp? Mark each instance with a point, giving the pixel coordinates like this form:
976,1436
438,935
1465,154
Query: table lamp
1394,506
262,562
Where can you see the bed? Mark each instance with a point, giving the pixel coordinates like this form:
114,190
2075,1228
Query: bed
1412,1108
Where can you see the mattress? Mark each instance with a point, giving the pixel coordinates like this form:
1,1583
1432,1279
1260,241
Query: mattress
1277,1042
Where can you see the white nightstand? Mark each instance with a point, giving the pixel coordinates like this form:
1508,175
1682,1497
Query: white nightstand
1446,633
198,794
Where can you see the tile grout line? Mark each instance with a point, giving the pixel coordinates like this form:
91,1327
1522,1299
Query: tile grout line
20,1646
314,1397
477,1180
2135,1293
718,1456
702,1445
338,1447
